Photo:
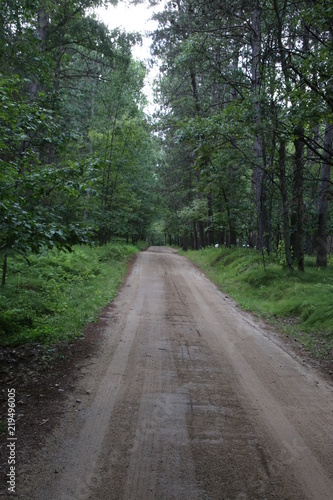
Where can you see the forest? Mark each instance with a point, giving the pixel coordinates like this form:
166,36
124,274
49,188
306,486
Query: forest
246,122
237,154
166,271
244,131
77,151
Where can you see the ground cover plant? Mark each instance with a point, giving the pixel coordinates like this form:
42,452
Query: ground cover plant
300,303
60,292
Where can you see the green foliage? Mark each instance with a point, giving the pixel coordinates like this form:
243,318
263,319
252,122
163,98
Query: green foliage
281,253
229,138
197,210
76,155
298,303
122,157
156,233
29,221
60,292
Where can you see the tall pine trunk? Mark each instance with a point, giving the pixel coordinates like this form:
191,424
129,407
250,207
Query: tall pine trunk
322,246
4,268
285,202
258,175
42,27
297,239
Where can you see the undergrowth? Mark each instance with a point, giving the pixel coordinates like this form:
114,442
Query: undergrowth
59,293
301,304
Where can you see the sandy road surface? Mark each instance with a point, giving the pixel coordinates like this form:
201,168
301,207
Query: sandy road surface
188,399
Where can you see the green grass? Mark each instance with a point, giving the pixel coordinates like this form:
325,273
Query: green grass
60,292
301,304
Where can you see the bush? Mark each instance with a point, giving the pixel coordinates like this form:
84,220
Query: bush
60,292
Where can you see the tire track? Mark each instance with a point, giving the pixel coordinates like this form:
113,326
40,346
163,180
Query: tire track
190,399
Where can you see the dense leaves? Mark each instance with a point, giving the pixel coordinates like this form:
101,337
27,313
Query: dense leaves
76,153
246,119
244,145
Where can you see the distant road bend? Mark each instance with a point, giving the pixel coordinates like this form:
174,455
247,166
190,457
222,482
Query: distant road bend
189,398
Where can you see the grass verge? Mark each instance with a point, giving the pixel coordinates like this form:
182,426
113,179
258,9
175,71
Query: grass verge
300,304
60,292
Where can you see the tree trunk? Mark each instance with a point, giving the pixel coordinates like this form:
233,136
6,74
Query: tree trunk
231,234
221,237
321,241
195,234
42,26
297,217
202,234
185,240
258,176
234,174
4,268
210,231
285,202
233,237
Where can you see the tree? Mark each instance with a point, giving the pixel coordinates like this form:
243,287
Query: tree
56,190
245,87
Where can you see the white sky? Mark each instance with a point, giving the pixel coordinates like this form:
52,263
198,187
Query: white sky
134,18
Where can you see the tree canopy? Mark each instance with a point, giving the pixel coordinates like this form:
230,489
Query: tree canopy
239,153
76,149
246,118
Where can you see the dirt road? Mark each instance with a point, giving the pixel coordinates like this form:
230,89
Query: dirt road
189,398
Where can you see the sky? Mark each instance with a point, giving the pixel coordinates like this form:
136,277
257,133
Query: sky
134,18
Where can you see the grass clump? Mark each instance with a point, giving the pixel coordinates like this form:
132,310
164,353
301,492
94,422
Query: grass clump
300,303
59,293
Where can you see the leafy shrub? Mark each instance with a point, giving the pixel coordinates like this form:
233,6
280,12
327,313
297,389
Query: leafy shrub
60,292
